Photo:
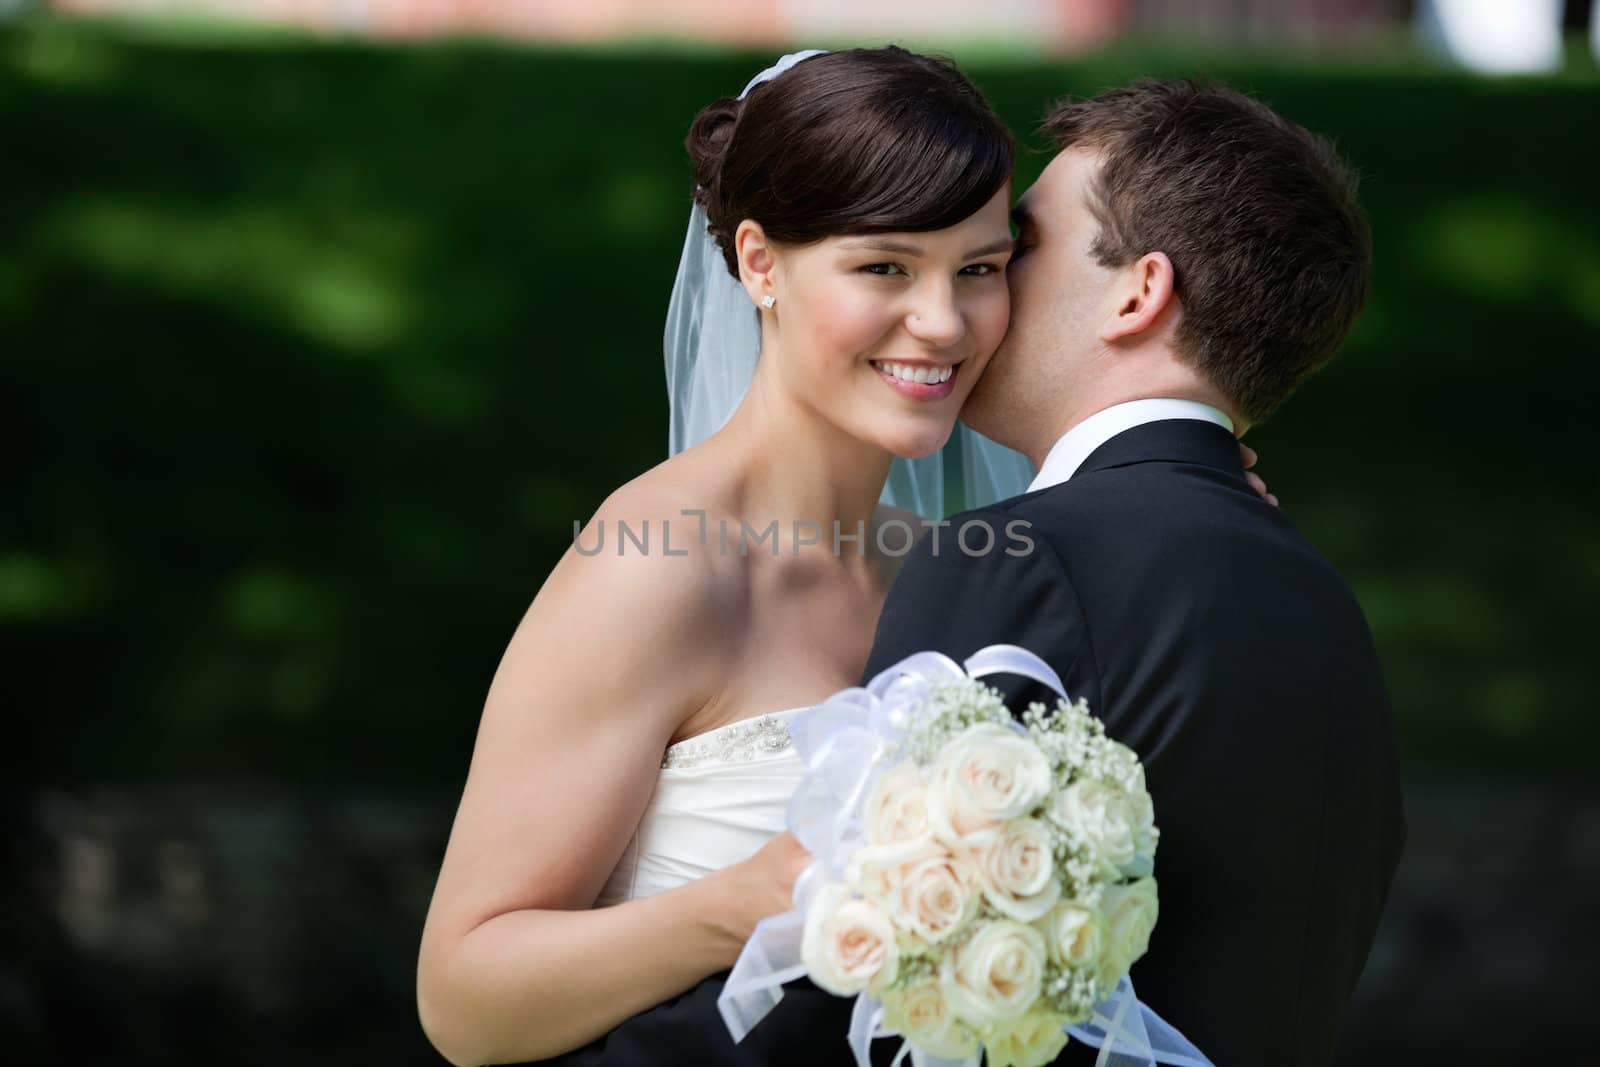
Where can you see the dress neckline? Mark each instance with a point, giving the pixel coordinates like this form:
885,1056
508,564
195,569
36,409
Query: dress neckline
735,742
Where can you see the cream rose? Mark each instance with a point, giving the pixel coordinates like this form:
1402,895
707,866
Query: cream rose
1031,1041
982,777
922,1016
1130,913
1118,826
848,944
1015,868
897,809
933,897
1072,934
995,974
874,871
925,890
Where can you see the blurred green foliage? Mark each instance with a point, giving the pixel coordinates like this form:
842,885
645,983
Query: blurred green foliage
313,352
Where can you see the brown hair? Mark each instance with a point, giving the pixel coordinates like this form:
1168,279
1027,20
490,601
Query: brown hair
867,140
1259,217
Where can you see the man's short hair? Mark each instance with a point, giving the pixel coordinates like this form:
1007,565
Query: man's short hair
1258,215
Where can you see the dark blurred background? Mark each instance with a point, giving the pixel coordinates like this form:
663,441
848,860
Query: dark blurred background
322,321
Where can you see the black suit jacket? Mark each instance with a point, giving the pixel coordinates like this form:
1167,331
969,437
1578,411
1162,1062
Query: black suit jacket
1210,636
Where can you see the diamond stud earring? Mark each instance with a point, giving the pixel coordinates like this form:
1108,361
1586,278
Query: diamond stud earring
768,300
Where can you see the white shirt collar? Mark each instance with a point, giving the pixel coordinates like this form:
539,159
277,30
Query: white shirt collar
1076,445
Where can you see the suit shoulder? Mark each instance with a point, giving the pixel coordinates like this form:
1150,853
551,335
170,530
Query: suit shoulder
990,547
967,532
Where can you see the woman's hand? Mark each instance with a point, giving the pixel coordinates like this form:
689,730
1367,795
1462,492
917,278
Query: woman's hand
1248,456
762,885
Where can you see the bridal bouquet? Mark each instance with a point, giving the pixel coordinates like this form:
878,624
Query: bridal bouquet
981,883
1004,887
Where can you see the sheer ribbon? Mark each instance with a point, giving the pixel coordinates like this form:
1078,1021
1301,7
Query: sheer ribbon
841,741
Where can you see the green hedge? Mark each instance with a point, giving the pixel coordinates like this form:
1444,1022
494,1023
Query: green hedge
313,352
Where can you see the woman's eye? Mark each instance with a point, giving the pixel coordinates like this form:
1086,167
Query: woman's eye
883,269
979,270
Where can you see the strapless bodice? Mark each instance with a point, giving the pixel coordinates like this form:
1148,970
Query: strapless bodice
719,797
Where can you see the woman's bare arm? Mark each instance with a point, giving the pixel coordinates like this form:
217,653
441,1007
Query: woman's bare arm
515,963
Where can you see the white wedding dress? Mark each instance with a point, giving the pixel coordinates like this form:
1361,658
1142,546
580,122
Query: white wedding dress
720,796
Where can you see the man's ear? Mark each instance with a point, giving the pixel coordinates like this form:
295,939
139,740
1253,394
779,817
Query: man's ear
756,260
1142,293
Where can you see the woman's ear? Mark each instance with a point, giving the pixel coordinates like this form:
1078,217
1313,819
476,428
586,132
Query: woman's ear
757,261
1142,293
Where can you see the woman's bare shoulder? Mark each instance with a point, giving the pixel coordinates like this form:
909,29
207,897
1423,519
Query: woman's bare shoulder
643,557
644,539
671,511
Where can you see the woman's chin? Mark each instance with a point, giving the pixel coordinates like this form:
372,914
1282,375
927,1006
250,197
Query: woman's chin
920,444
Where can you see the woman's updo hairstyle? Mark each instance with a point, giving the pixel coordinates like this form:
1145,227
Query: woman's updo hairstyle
868,140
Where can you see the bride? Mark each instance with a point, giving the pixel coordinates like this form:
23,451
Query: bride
618,835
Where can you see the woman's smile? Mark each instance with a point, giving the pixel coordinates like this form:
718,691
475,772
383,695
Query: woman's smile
919,379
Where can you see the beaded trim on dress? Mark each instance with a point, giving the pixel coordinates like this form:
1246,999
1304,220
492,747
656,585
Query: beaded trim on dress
738,742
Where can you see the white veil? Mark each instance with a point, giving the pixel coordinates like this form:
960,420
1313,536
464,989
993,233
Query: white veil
713,338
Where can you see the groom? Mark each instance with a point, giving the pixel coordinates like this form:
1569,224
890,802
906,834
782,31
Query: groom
1186,260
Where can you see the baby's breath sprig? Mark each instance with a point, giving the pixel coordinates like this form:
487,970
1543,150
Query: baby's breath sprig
1067,734
1072,991
951,707
915,970
1075,865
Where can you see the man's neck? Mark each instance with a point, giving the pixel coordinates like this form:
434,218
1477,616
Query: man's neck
1106,400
